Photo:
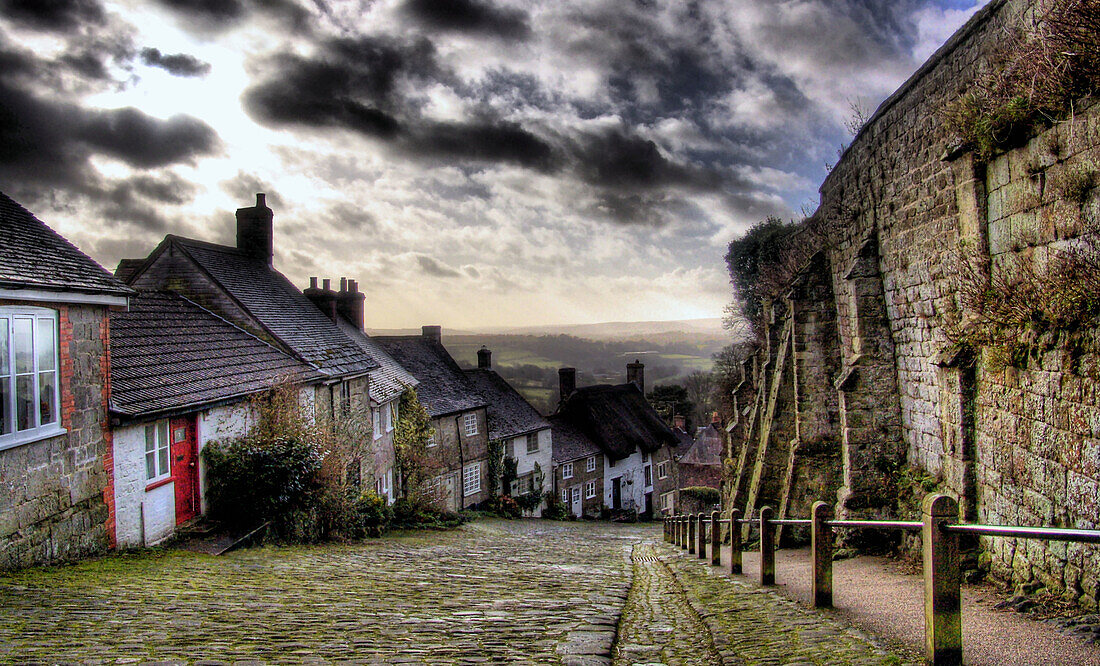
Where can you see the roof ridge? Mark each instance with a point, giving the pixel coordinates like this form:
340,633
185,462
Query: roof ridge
242,330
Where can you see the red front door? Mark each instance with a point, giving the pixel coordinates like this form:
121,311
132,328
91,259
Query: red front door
185,467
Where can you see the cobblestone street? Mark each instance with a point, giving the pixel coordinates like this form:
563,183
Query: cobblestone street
493,592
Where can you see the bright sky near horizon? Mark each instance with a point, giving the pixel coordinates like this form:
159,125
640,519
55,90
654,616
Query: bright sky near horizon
471,162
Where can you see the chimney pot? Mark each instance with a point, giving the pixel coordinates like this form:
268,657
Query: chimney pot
326,284
343,285
432,333
350,303
254,231
678,422
567,382
484,358
312,283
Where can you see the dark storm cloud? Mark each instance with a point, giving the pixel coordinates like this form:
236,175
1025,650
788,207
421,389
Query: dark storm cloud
618,159
178,64
144,141
54,15
469,16
432,267
349,84
214,16
483,141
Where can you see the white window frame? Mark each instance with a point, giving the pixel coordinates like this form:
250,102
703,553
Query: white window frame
647,472
431,439
160,453
469,424
662,470
387,416
532,437
376,422
38,429
565,496
590,464
590,489
567,470
471,479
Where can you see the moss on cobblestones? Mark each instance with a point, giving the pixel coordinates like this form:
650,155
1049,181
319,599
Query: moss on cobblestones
502,591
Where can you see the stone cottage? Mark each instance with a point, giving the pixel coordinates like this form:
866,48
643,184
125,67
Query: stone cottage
460,445
181,377
524,435
629,433
240,284
55,444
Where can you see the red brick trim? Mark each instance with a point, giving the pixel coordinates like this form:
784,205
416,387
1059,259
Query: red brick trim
108,434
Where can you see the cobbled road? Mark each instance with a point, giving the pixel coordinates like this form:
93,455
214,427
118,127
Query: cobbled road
531,592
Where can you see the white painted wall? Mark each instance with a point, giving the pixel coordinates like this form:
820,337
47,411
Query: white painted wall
633,481
525,462
145,518
141,518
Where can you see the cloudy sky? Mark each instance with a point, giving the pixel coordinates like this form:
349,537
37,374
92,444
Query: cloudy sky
470,162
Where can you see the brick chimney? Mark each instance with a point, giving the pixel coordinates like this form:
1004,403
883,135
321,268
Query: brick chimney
434,333
484,358
324,298
254,231
349,302
567,381
635,374
679,423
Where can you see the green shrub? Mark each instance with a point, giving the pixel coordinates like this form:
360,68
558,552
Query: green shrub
529,501
416,513
556,509
701,494
503,505
374,515
251,481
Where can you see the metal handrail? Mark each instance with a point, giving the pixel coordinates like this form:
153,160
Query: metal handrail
912,526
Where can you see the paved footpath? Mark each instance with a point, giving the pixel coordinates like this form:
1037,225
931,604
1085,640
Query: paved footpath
532,592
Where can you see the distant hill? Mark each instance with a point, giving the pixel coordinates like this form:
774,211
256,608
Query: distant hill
618,330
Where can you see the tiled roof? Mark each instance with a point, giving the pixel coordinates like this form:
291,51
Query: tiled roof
280,308
127,267
706,449
168,353
618,419
444,387
569,442
510,415
34,256
390,379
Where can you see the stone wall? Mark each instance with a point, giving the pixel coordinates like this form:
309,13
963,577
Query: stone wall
880,381
52,505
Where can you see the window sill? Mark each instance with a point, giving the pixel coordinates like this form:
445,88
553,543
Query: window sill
29,436
153,485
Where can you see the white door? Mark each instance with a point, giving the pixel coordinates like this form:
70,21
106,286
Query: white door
575,496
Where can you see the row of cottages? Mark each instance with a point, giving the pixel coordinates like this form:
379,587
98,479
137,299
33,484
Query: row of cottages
696,464
612,452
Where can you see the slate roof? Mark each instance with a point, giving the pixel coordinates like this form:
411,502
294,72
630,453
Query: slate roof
569,442
444,387
705,450
127,267
390,379
168,354
279,307
618,419
34,256
509,413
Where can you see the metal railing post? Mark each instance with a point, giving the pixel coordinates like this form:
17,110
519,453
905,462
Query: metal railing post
942,583
735,541
767,547
715,539
691,534
821,541
701,535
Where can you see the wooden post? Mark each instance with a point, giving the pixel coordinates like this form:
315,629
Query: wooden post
715,539
676,531
821,540
767,547
691,534
942,583
735,541
701,534
665,533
